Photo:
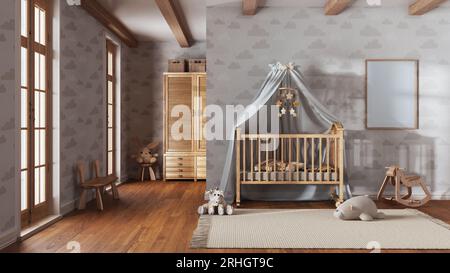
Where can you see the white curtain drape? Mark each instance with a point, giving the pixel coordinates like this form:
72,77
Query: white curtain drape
269,87
313,116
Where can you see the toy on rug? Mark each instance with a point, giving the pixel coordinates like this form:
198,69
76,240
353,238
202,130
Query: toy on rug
358,208
216,204
397,177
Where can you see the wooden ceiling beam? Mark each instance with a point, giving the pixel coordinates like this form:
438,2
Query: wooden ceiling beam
420,7
97,11
335,7
250,7
174,16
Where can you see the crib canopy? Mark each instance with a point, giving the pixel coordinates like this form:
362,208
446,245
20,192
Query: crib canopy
311,117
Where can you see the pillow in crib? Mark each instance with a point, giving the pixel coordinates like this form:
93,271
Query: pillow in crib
267,166
295,166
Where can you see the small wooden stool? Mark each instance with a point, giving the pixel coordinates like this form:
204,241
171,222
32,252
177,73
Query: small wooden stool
149,167
98,183
397,177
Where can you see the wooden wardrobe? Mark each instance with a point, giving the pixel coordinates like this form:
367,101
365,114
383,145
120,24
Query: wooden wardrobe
185,159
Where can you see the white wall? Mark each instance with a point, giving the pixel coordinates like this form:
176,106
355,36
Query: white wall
9,121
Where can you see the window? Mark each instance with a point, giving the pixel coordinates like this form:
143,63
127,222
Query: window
110,106
35,106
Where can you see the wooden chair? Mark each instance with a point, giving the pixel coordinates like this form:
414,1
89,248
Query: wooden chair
98,184
397,177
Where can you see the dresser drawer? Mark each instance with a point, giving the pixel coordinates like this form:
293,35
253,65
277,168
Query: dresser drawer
179,170
179,175
179,161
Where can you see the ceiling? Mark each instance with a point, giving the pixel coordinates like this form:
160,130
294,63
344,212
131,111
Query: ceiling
143,18
312,3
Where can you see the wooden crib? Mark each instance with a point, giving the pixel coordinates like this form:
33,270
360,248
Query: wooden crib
291,159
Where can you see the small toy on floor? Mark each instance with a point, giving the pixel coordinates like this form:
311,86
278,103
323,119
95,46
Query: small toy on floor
397,177
216,204
358,208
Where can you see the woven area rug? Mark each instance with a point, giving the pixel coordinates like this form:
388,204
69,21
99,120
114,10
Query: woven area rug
318,229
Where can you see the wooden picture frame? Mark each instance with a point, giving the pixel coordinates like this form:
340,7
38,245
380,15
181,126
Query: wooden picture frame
391,94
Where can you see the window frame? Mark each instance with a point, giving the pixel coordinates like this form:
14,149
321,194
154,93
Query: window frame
112,48
35,212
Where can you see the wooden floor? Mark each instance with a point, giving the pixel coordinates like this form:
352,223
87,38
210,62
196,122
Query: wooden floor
157,217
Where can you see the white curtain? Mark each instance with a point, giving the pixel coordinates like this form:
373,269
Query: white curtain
312,116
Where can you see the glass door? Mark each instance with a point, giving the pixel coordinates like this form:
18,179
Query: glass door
35,110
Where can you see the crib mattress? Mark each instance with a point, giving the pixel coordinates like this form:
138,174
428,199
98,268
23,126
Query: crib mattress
290,176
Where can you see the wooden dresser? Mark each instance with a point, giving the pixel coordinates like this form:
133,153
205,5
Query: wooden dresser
184,159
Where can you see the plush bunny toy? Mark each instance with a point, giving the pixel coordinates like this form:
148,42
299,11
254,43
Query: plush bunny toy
145,155
216,204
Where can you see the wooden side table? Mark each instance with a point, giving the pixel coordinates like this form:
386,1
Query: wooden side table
151,173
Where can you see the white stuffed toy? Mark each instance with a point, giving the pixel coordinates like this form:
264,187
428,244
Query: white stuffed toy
216,204
358,208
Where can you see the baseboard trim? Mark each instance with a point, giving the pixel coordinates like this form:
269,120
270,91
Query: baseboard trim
73,205
8,239
68,207
40,226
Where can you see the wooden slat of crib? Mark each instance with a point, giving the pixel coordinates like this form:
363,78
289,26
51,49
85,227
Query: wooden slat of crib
244,158
305,157
328,159
320,159
312,160
336,157
259,158
341,166
297,165
290,153
282,150
274,156
238,166
252,165
267,160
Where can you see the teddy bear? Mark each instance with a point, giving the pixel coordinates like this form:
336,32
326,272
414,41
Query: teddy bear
216,204
145,155
358,208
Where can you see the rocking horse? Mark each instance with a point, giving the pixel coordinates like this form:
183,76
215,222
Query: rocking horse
397,177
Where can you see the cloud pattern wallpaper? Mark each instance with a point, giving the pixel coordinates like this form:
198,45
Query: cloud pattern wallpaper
331,52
